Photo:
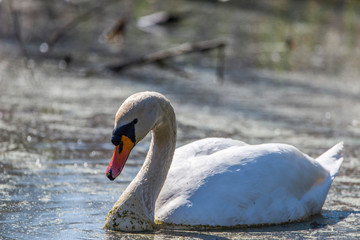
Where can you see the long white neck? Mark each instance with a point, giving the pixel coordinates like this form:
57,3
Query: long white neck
134,210
151,177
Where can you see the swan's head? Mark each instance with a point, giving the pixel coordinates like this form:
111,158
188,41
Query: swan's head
138,115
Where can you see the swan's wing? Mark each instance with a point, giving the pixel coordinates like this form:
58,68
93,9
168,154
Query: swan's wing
205,147
239,185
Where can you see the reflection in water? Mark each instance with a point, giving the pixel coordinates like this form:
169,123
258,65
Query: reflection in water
55,132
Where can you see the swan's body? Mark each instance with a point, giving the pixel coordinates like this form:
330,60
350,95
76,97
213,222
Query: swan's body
213,182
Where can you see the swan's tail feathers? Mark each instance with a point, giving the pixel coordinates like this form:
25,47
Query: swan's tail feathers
331,160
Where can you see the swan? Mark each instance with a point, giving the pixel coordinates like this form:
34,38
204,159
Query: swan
212,182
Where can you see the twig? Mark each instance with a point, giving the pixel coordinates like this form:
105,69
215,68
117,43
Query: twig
181,72
17,30
116,32
182,49
28,62
220,68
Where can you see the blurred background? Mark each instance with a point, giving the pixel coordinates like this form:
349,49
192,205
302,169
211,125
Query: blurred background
311,36
258,71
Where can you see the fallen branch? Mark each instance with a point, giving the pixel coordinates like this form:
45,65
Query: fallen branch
182,49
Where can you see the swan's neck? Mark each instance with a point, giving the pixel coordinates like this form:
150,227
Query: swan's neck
152,175
134,210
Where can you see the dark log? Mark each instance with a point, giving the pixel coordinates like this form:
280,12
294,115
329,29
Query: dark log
182,49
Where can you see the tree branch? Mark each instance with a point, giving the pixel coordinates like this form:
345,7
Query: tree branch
182,49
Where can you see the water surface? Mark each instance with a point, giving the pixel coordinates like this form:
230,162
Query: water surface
55,126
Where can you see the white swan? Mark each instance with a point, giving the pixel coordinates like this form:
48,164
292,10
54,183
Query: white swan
213,182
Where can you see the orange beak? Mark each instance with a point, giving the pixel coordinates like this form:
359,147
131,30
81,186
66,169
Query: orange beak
121,154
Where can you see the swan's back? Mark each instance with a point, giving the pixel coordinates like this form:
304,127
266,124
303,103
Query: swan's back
223,182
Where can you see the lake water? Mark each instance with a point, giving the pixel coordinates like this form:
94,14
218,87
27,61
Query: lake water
55,126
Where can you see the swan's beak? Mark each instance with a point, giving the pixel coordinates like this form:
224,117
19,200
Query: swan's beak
121,154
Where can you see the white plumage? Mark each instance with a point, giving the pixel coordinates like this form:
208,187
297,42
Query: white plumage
224,182
213,182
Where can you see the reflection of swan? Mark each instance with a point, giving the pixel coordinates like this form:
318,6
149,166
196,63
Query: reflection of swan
213,182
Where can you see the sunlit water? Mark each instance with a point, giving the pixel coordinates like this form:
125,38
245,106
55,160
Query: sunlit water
55,127
53,179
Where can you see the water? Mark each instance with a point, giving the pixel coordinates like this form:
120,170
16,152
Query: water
55,127
53,172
